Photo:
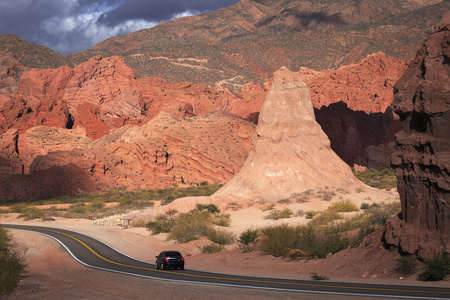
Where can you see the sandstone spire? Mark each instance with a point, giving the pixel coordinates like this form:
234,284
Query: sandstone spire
290,152
422,157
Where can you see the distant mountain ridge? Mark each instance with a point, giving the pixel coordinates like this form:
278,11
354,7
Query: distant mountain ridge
250,40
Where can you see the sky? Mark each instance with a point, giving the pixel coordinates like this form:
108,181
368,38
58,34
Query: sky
69,26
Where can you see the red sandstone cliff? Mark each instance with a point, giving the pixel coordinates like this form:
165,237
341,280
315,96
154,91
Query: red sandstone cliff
422,157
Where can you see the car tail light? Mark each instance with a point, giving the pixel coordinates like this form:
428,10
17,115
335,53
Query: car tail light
166,259
182,259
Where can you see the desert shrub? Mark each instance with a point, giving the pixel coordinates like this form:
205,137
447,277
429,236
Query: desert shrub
310,214
379,214
299,213
248,236
273,215
343,206
383,178
219,236
162,224
222,220
284,201
364,206
31,213
285,213
211,208
325,217
267,207
279,240
17,208
12,264
316,276
189,226
437,268
407,265
140,223
212,248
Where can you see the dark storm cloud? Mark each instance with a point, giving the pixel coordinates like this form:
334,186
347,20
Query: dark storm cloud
69,26
157,10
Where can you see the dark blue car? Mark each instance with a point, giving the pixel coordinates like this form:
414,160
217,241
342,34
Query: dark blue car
170,259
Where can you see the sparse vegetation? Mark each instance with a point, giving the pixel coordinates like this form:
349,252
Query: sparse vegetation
383,178
212,248
285,213
222,220
316,276
248,237
407,265
219,236
190,226
12,264
343,206
437,268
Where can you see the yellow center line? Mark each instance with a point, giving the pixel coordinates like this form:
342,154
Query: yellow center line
224,278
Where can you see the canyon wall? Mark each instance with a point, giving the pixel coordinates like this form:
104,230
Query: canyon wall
422,156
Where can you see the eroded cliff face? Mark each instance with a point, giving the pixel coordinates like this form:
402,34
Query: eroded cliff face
422,156
290,152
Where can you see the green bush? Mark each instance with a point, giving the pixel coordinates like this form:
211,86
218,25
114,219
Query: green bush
382,178
407,265
12,264
222,220
162,224
310,214
364,206
343,206
219,236
31,213
437,268
211,208
189,226
285,213
325,217
248,236
316,276
279,240
212,248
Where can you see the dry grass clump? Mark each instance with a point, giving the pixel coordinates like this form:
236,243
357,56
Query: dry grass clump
12,264
219,236
212,248
343,206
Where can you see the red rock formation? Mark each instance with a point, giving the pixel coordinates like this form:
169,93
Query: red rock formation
290,152
162,153
422,157
10,71
366,86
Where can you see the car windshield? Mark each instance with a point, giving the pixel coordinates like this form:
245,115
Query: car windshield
173,253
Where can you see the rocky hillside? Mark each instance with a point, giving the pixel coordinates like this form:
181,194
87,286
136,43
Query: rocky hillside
250,40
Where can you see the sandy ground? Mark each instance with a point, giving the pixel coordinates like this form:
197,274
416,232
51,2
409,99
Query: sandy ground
52,273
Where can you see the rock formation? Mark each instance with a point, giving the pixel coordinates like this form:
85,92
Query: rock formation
162,153
290,152
422,157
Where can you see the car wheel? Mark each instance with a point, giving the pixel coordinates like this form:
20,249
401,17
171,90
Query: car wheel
162,266
182,268
157,266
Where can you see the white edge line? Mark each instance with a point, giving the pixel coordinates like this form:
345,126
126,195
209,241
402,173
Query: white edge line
216,284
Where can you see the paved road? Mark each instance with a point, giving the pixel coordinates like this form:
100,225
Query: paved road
96,254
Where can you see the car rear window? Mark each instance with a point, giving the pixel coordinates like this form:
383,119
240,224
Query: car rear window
173,253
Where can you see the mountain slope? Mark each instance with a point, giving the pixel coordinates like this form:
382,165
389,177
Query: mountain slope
248,41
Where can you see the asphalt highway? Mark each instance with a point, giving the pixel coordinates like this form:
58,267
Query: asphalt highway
96,254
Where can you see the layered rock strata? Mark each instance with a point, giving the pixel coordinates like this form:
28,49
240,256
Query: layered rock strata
290,153
422,156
